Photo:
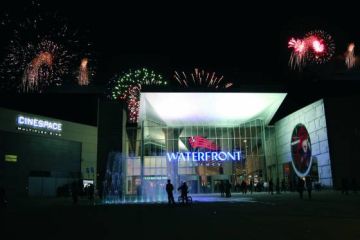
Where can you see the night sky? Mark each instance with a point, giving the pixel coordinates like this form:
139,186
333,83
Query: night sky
245,43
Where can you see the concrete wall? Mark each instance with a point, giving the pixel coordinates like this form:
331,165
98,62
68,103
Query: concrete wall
313,117
343,116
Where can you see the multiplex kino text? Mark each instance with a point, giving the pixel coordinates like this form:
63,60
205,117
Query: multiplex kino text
204,156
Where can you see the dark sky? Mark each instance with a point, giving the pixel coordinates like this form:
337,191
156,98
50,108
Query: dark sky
247,43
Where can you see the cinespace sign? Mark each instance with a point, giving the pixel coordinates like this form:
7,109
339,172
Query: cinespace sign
37,123
201,145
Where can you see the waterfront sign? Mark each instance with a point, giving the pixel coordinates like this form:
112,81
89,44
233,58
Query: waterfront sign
204,156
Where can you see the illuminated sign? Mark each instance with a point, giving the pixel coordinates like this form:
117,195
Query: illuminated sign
204,156
36,125
301,150
10,158
201,142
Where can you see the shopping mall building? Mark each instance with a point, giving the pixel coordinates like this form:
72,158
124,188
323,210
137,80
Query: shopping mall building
203,138
207,138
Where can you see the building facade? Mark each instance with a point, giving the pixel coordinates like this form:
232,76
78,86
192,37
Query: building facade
41,154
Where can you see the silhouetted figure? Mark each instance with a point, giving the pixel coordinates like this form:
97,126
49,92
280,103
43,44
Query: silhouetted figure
300,187
91,191
317,186
344,186
138,190
237,187
271,186
277,187
308,186
243,187
251,186
75,192
3,200
354,185
222,188
291,186
169,191
228,188
283,185
184,191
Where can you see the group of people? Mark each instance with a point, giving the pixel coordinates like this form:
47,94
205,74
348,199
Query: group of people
301,186
225,189
183,190
345,186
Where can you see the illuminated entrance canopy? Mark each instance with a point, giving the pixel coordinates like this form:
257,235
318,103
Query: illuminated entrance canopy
39,123
204,156
216,109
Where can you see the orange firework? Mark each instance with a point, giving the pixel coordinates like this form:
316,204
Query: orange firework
83,78
34,70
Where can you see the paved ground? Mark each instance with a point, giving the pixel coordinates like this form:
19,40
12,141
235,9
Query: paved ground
329,215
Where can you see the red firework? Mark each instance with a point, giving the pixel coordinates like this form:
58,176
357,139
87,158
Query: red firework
316,47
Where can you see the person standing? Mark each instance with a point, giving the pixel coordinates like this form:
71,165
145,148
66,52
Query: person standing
184,191
251,185
222,188
308,185
228,189
301,186
271,186
169,191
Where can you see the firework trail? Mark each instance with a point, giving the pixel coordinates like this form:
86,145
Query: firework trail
201,78
316,47
128,87
297,58
83,78
34,71
350,56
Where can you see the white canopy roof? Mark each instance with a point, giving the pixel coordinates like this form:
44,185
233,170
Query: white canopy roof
218,109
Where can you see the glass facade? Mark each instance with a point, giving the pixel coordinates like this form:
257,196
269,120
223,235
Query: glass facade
148,166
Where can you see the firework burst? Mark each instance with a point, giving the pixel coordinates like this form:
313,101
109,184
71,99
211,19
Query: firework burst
85,72
201,78
316,47
39,54
350,56
321,46
128,87
297,58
